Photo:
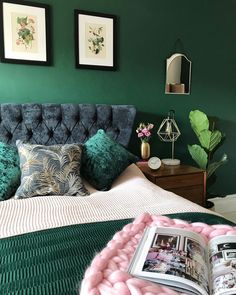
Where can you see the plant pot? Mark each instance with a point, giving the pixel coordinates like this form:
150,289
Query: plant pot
145,150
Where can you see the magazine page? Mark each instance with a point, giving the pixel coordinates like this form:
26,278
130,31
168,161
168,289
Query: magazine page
173,257
222,260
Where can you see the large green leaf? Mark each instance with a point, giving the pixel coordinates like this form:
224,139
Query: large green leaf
213,166
199,155
199,121
205,138
209,140
216,137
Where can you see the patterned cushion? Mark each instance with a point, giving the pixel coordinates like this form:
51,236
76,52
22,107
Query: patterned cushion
9,171
103,160
50,170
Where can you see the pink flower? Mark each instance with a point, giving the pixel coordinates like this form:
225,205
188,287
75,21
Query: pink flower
143,131
140,134
148,134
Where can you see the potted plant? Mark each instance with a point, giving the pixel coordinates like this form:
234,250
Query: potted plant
209,139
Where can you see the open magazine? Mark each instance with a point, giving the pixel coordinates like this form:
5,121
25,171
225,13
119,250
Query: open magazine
186,262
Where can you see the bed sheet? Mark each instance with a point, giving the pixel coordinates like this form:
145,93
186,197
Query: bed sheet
131,195
48,242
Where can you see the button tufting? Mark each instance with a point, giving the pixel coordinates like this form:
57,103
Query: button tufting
9,135
50,133
49,123
95,117
40,119
19,119
86,133
30,133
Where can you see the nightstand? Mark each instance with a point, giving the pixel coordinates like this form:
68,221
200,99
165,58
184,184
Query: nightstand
183,180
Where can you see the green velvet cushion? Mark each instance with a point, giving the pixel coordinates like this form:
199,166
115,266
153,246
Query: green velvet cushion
9,171
50,170
103,160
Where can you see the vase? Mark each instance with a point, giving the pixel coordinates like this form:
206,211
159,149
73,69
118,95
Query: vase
145,150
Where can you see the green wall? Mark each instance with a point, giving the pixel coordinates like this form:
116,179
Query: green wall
147,35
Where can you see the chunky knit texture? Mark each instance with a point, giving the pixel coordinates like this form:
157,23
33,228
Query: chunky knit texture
107,274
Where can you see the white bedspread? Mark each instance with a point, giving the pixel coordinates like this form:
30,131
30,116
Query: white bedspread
131,195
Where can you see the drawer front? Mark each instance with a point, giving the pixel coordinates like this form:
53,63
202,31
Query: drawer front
192,193
170,182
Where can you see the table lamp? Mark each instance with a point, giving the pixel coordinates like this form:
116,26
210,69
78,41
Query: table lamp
169,132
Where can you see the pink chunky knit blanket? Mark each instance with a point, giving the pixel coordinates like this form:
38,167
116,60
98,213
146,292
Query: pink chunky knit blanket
107,274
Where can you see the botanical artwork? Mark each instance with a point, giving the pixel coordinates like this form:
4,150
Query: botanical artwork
24,33
95,40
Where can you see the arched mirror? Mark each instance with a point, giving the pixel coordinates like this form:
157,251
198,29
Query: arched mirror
178,74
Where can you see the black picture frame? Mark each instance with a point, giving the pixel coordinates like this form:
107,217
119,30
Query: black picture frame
95,40
25,32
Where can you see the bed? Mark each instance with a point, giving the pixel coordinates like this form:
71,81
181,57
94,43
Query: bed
47,242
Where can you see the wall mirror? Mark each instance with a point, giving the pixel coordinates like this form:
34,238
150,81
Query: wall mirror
178,74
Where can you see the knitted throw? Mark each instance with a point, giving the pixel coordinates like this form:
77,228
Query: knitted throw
107,274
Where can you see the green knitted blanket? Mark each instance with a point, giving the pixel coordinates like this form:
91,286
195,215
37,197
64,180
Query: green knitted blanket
53,261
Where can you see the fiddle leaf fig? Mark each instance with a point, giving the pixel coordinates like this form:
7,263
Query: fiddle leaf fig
205,138
199,155
216,137
209,140
213,166
198,121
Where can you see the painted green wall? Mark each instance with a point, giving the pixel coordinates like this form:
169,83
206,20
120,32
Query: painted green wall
147,35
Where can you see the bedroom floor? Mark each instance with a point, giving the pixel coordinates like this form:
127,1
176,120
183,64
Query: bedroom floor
226,206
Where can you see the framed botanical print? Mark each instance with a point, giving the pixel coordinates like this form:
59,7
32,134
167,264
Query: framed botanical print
25,32
95,40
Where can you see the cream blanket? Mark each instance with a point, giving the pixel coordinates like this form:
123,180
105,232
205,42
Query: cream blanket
131,195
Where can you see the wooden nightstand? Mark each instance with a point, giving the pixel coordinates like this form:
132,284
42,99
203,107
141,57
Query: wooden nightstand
186,181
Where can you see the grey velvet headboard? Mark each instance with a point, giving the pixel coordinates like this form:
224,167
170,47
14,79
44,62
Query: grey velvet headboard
64,123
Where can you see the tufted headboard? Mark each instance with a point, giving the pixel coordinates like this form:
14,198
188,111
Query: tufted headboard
51,123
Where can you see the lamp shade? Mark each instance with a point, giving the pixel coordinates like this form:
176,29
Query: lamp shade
169,132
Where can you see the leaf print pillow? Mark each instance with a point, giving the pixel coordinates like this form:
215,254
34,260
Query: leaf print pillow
50,170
